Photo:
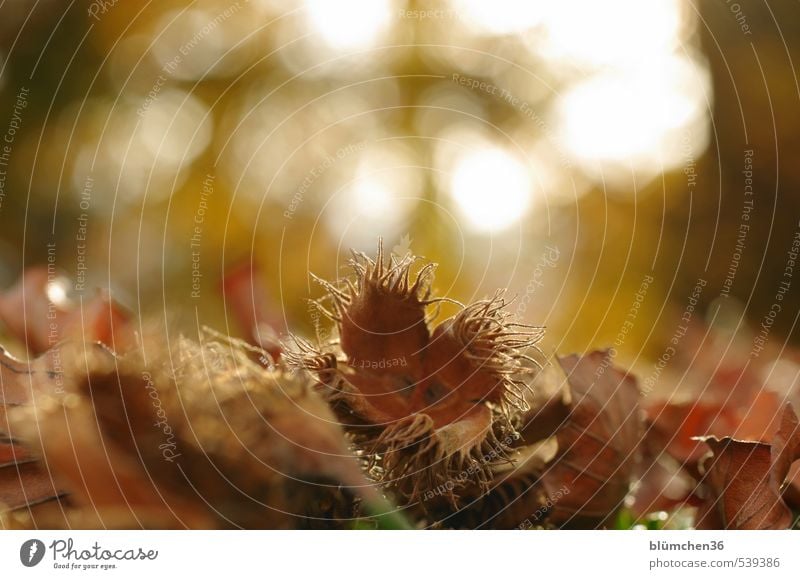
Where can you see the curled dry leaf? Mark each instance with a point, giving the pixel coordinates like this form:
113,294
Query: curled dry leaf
711,388
664,485
24,482
198,436
672,435
250,300
676,426
38,312
791,493
588,411
745,479
599,449
425,405
25,485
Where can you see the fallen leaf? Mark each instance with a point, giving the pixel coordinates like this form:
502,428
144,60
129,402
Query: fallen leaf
587,410
24,484
200,436
250,301
676,426
12,452
744,479
663,484
39,313
599,444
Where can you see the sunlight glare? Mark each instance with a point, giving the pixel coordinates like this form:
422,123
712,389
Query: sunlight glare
176,127
500,16
634,117
57,292
349,23
492,189
615,32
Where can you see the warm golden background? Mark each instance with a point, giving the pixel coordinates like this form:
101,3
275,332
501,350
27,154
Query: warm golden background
569,151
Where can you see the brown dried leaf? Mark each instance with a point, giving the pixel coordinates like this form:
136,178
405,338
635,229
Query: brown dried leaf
200,436
12,452
24,484
676,426
663,485
745,479
598,443
250,301
39,314
791,493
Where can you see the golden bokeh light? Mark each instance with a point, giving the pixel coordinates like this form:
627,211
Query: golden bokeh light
500,16
616,33
349,24
637,121
492,189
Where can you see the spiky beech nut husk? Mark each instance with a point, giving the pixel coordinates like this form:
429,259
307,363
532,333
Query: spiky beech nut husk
381,314
517,498
480,353
196,434
430,409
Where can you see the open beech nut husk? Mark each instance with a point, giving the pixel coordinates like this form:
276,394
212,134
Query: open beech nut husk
424,405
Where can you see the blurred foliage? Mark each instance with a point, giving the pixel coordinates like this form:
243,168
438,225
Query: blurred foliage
322,128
